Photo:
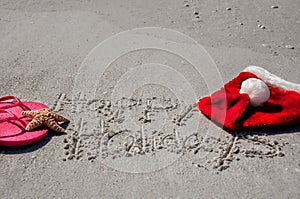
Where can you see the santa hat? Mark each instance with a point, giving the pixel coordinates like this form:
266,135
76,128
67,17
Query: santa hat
254,100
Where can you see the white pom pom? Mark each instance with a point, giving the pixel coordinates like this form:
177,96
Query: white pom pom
257,90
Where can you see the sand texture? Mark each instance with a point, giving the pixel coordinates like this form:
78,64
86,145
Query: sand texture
135,130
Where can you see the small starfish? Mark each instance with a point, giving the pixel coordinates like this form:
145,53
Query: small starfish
44,116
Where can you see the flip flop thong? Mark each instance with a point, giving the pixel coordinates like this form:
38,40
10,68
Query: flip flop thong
13,123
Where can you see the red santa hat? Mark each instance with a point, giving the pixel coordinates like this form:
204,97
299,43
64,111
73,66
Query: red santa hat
254,100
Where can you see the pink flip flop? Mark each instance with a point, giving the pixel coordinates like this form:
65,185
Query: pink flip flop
13,123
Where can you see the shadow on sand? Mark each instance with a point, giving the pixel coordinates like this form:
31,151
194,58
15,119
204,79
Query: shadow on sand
277,131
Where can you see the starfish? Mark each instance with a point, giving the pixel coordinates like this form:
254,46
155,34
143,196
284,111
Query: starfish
44,116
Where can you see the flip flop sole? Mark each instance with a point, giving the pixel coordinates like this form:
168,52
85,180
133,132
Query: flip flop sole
13,133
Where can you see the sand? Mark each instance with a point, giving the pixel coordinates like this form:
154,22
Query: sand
130,92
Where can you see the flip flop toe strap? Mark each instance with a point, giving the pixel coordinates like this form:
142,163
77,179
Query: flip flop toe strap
11,117
14,101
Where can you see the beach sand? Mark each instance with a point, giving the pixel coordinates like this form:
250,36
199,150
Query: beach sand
148,144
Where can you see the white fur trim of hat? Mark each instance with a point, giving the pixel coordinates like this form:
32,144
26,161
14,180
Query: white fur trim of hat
258,90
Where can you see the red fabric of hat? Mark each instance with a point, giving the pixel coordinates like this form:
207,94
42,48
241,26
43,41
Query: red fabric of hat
234,111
